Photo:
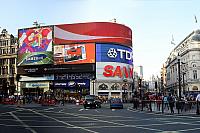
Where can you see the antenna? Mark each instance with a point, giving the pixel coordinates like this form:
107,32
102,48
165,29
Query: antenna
37,24
114,20
172,41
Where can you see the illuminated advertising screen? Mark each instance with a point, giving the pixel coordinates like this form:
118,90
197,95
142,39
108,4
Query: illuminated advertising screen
114,71
74,53
35,46
114,53
104,32
39,78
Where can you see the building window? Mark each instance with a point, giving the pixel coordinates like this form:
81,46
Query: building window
195,74
12,70
12,61
12,50
103,87
193,57
115,87
194,65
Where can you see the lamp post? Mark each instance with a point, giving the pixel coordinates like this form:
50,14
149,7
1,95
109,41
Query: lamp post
179,78
184,83
93,81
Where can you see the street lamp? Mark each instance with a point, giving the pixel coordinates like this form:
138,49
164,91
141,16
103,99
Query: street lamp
179,77
184,83
93,81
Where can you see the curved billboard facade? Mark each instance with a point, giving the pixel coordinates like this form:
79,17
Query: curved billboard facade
94,58
103,32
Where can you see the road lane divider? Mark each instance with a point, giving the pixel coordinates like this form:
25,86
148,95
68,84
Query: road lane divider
23,124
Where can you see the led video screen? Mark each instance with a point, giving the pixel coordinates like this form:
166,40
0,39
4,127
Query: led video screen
74,53
35,46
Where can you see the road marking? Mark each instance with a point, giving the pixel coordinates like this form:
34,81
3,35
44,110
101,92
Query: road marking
24,125
110,122
61,110
9,112
97,111
49,109
61,121
185,130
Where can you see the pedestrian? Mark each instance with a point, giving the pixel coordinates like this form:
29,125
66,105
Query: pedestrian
198,101
165,100
171,103
198,98
158,102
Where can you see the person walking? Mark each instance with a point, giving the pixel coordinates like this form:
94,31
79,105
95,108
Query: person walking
165,100
198,101
171,103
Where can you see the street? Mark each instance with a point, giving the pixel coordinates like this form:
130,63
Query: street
73,118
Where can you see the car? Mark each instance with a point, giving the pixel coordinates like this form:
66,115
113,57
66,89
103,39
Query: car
116,103
91,101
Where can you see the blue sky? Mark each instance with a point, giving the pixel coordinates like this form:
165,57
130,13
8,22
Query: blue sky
152,21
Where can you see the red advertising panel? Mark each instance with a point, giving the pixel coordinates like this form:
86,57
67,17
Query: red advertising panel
35,46
114,71
101,32
74,54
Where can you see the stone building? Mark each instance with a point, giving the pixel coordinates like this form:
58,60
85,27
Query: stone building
8,55
188,51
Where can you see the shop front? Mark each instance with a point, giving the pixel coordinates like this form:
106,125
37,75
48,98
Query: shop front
34,88
71,88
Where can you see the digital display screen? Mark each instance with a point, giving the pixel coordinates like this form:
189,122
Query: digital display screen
35,46
74,53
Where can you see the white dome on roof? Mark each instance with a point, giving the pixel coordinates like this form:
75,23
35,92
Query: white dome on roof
196,36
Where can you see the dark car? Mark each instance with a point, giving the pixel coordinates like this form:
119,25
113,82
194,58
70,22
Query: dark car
92,102
116,103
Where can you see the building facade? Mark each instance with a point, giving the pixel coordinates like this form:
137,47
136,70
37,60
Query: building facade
163,78
188,51
76,59
8,57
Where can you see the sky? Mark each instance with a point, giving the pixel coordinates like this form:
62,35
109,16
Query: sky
153,22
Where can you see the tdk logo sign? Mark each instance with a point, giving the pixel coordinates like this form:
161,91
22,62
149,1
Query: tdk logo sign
121,53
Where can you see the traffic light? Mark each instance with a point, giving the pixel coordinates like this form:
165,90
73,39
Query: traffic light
140,82
156,86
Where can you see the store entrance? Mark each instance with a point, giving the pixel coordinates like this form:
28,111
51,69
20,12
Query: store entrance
33,91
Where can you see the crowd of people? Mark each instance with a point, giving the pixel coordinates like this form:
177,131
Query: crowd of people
165,102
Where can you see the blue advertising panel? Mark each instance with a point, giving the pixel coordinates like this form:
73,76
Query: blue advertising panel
114,53
74,76
73,84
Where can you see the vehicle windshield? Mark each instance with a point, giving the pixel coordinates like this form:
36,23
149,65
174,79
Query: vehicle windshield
89,97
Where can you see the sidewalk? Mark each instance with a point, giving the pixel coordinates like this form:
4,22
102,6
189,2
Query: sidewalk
166,111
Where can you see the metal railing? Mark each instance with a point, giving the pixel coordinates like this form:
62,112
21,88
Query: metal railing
159,106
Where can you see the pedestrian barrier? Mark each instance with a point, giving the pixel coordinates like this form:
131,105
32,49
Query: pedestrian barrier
9,101
48,102
158,106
